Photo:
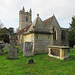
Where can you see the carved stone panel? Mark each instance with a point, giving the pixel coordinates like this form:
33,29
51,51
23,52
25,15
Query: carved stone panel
28,49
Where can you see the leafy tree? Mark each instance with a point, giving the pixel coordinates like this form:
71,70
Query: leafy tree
11,30
4,34
72,32
73,23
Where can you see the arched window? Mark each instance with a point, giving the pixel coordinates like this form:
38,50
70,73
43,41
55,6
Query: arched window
26,18
54,34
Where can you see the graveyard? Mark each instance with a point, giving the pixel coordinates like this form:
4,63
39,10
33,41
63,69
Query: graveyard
39,45
43,65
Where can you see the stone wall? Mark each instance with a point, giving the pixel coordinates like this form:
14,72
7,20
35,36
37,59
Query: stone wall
22,19
54,24
28,38
64,36
41,43
55,52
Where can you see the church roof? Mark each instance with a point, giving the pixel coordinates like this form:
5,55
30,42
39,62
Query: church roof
23,30
35,25
45,21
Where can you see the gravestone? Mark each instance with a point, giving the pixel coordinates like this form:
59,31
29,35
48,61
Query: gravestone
1,47
30,61
1,52
6,46
21,47
74,47
12,53
28,49
12,43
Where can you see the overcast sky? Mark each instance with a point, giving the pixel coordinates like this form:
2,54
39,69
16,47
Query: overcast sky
62,9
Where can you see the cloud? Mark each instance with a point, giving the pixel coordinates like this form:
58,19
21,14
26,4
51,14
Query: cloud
63,10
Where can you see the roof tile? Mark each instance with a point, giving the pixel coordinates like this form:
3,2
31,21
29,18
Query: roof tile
23,30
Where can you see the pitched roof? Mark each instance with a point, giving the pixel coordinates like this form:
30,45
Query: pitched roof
37,25
45,21
23,30
29,27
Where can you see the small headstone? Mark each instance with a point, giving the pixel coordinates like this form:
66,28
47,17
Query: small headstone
6,46
1,52
12,53
74,47
1,47
30,61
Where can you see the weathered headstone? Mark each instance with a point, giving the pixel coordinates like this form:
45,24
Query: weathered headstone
21,47
12,43
30,61
6,46
28,49
1,47
12,53
74,47
1,52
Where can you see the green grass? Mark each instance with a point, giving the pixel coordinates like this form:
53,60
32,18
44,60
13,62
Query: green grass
44,65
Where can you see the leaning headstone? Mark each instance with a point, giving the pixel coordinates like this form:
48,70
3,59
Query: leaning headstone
1,47
12,53
74,47
30,61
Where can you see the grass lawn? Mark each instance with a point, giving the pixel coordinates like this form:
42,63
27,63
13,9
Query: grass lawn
44,65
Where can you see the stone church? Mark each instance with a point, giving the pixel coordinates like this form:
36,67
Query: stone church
37,36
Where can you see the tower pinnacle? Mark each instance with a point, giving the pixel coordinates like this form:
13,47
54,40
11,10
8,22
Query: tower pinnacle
23,8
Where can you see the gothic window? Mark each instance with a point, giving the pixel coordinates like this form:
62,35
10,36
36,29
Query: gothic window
54,34
26,18
63,35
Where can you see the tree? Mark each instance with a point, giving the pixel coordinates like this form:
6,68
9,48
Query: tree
73,23
1,24
4,34
11,30
72,32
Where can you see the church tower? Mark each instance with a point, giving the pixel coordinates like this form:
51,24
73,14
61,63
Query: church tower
25,18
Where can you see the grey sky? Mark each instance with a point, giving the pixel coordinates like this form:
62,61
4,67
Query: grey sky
62,9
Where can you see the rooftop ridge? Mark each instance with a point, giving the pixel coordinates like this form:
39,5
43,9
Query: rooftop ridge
46,20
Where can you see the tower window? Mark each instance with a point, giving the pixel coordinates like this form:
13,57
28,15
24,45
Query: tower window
26,18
